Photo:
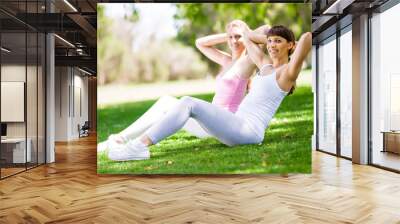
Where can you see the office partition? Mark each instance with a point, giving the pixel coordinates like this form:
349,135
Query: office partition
23,89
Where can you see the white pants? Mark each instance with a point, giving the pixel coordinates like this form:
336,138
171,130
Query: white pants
227,127
154,114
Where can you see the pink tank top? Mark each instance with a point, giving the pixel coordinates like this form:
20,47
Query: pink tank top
229,92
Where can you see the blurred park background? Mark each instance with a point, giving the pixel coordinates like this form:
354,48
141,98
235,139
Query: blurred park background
146,50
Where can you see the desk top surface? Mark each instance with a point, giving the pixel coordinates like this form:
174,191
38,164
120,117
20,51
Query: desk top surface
13,140
390,132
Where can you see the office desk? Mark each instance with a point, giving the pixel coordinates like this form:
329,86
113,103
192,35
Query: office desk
17,150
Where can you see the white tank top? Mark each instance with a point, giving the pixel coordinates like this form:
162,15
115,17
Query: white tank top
260,104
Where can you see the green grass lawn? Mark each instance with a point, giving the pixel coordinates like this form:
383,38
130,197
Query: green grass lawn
286,147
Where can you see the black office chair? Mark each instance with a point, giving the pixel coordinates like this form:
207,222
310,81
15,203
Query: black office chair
84,130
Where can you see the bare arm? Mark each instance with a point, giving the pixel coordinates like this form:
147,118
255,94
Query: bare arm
300,53
259,36
251,39
206,46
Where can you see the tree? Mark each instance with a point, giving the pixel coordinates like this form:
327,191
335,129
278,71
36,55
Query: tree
201,19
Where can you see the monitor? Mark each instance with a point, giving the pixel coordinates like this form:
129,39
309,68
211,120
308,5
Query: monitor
3,129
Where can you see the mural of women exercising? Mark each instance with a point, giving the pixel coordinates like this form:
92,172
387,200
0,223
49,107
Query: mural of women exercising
231,85
247,126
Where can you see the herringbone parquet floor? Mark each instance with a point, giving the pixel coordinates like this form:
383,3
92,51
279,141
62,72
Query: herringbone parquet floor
70,191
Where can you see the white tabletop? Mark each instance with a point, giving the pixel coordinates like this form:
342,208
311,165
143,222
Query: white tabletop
13,140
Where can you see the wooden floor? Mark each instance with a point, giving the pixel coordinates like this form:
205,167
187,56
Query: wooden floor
10,171
388,159
70,191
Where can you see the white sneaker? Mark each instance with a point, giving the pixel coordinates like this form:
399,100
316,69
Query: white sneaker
133,150
111,142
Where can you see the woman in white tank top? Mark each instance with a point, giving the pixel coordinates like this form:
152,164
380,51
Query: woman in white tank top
231,85
247,126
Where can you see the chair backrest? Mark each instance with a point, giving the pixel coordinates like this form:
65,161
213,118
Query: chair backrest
86,125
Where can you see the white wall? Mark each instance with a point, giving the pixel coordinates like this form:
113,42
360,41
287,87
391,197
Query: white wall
14,73
13,101
71,94
62,81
